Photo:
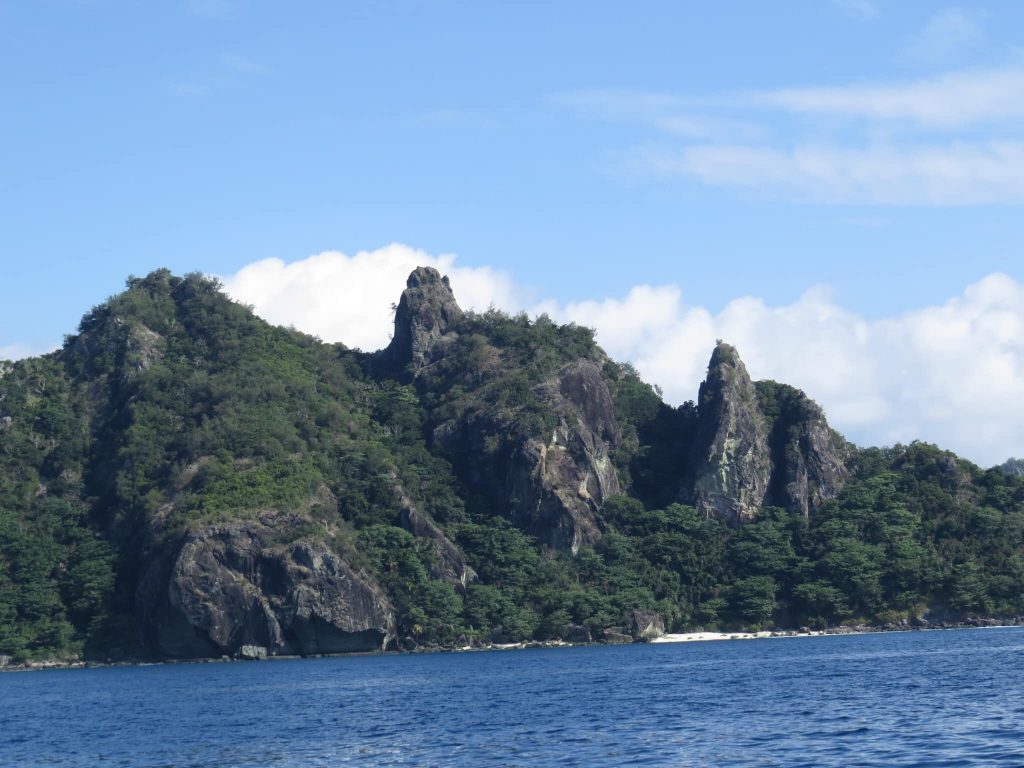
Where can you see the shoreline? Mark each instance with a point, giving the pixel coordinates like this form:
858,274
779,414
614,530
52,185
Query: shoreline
665,639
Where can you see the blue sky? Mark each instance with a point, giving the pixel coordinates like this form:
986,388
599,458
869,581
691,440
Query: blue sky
724,150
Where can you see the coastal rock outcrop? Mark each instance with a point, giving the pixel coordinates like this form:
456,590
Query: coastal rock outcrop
731,464
548,480
646,625
229,586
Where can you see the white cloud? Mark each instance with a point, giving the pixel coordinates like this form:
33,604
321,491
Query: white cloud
952,139
952,374
950,100
348,298
948,33
674,115
943,174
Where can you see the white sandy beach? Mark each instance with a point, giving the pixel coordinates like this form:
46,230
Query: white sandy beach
691,637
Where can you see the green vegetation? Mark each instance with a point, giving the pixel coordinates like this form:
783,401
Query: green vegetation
174,408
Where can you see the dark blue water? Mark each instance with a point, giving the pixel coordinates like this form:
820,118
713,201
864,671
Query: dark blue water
922,698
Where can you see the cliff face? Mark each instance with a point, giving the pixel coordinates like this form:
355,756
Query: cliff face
558,481
811,461
426,314
731,464
760,444
449,563
542,457
226,587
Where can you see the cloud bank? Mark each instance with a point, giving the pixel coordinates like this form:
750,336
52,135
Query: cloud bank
349,298
952,374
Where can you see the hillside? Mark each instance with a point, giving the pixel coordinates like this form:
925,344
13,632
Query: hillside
181,479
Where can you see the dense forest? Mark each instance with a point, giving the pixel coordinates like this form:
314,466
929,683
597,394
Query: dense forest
182,478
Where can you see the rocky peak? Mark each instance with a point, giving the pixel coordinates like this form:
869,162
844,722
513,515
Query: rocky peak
424,319
760,444
810,459
731,465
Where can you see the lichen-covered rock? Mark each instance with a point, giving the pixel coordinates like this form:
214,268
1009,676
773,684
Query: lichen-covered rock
143,348
228,587
646,625
731,464
252,652
559,481
1012,467
423,320
759,444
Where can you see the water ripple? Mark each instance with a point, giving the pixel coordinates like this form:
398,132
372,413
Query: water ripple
908,699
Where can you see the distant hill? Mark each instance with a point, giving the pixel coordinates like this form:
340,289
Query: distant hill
182,479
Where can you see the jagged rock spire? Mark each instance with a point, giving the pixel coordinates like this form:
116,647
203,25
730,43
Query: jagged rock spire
760,444
731,464
425,316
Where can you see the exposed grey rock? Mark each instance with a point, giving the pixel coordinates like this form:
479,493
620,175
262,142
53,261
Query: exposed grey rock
143,348
646,625
451,565
551,484
423,320
5,661
810,460
557,482
731,463
758,444
252,652
1014,467
226,588
577,633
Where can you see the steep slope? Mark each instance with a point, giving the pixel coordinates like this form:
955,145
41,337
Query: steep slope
760,444
520,409
811,462
226,464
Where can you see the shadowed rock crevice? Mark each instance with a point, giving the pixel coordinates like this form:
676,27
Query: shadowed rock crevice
810,460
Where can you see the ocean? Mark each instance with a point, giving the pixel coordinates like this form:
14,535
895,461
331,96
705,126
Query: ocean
939,698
